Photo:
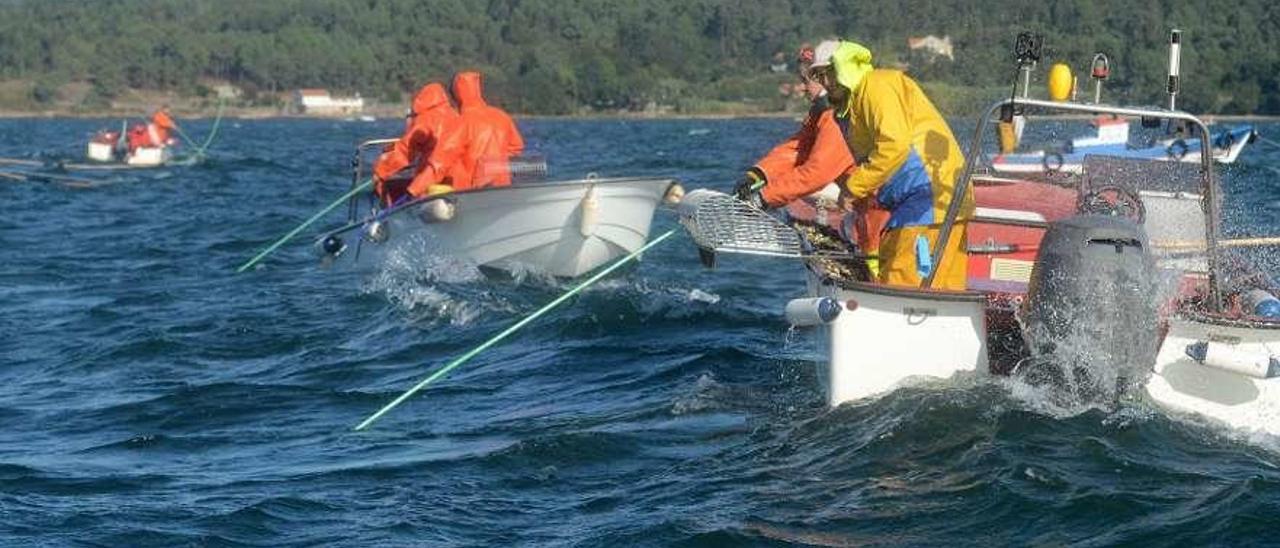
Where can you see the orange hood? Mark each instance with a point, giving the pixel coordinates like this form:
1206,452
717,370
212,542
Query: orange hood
429,97
162,119
468,90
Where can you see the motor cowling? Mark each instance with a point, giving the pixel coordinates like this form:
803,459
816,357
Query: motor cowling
1090,309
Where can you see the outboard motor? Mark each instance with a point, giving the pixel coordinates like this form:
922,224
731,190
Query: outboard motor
1089,319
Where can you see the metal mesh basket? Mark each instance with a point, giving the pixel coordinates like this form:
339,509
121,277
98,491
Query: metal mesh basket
719,222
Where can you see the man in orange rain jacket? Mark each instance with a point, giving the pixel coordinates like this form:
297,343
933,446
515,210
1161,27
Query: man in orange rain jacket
154,134
812,158
488,138
431,118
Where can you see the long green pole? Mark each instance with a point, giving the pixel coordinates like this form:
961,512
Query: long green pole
306,224
496,338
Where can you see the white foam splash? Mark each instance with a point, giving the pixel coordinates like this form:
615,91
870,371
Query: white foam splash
699,296
421,281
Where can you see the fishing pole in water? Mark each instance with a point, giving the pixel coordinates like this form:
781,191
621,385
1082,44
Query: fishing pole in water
304,225
507,332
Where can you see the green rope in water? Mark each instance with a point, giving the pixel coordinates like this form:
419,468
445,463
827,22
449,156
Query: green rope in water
299,228
213,131
198,151
190,142
492,341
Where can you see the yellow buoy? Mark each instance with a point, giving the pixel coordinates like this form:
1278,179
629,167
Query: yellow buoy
1060,82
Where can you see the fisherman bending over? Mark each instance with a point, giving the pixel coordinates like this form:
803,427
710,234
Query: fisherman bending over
808,161
430,118
155,134
911,163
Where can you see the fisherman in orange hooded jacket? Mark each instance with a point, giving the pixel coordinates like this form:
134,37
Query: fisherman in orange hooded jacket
431,118
487,138
812,158
153,134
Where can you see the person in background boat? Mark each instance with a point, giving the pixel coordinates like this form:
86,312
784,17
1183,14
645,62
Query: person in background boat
815,156
430,118
487,139
910,165
154,134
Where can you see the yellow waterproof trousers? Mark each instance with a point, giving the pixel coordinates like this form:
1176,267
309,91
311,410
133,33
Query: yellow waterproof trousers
898,257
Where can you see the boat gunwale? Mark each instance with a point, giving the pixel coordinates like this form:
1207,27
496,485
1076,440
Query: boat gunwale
914,292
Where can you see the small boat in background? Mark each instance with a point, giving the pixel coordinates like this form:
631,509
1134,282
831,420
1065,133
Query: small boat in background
144,145
1112,139
108,147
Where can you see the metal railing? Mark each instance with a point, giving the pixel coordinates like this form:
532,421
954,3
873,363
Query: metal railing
1213,199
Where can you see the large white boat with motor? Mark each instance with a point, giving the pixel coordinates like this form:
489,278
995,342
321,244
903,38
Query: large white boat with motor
1115,282
561,228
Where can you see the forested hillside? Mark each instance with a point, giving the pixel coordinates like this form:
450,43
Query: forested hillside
565,56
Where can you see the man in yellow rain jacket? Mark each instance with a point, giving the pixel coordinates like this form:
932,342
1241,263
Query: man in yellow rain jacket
907,158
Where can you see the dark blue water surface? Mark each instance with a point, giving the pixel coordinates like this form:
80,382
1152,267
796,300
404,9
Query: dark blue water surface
150,396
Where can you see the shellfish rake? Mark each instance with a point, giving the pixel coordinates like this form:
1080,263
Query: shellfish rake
720,223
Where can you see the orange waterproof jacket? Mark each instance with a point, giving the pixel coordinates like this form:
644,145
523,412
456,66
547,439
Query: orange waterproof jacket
162,119
487,139
815,156
433,117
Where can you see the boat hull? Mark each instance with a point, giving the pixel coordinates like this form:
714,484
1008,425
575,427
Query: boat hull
1184,384
147,157
886,337
564,229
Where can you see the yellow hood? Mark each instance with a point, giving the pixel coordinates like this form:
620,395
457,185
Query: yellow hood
852,62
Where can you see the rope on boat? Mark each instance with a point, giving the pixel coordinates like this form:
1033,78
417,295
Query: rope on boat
1236,242
304,225
496,338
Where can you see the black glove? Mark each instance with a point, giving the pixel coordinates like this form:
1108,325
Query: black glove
749,184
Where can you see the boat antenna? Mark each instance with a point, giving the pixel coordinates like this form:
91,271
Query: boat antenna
1175,57
1099,71
1026,51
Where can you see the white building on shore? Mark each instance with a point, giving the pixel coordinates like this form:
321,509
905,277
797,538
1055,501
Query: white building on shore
318,102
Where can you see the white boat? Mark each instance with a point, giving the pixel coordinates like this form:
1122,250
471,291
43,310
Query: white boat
148,157
1221,368
1087,307
875,341
872,332
563,228
1113,140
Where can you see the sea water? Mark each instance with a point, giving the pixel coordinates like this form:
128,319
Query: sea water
151,396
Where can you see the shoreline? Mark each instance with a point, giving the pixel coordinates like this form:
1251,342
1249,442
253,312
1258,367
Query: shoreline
273,113
382,113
